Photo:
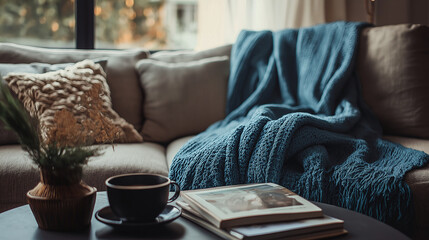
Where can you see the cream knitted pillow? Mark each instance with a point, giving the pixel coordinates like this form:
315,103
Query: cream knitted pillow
44,95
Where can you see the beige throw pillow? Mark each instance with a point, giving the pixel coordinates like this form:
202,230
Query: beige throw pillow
182,98
8,136
125,90
44,95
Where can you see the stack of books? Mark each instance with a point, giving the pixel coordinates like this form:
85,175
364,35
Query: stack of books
257,211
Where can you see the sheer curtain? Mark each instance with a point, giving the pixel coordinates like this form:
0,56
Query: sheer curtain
220,21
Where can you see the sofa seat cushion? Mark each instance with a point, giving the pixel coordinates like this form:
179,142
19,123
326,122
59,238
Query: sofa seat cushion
18,174
174,147
418,180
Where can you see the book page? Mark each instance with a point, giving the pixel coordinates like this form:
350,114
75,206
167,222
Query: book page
250,198
253,199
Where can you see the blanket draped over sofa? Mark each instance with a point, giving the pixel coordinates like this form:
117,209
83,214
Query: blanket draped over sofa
295,116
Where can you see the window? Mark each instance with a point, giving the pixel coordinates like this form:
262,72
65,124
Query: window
38,23
152,24
149,24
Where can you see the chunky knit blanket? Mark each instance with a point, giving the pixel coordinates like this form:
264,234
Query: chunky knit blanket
295,116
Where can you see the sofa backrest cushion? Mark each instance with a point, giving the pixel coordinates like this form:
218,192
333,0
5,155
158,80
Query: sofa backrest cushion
188,56
393,67
7,136
182,98
126,93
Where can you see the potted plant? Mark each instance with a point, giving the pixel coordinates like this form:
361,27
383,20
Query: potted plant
61,201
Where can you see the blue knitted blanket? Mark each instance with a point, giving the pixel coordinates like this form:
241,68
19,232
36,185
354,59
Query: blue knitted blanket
295,116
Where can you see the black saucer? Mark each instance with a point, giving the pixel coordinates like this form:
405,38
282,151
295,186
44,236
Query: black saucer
169,214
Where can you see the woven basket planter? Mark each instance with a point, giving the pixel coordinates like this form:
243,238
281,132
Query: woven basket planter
61,201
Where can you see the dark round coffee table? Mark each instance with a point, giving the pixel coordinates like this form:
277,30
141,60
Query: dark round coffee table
19,223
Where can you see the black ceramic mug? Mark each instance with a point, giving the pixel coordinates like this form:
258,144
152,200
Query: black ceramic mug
139,196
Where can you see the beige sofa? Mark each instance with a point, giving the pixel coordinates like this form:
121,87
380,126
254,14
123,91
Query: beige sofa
18,174
140,94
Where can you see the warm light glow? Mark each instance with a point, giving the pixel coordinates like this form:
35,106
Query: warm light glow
150,22
23,12
42,20
125,37
132,15
129,3
97,10
147,12
71,24
160,34
55,26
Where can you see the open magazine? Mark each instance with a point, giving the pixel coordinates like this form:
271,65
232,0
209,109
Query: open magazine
238,205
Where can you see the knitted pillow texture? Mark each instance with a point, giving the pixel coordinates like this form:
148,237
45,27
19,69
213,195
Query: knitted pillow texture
8,136
44,95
